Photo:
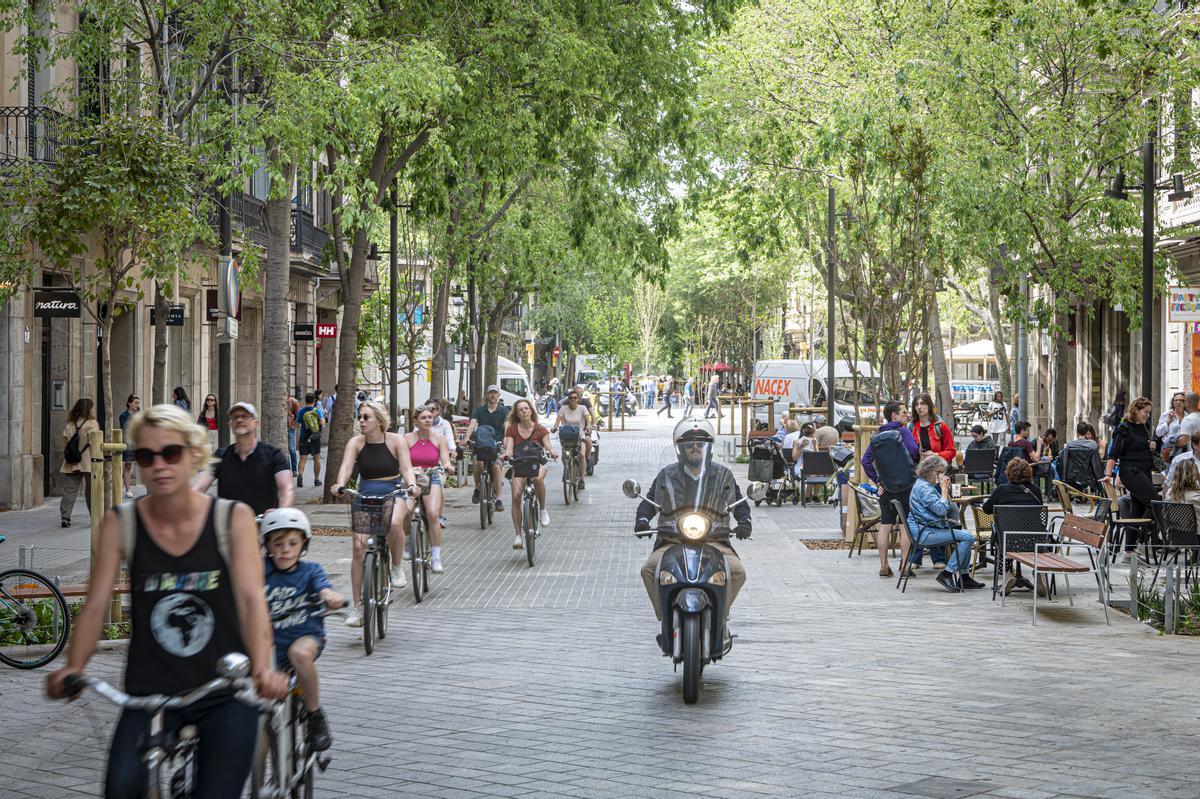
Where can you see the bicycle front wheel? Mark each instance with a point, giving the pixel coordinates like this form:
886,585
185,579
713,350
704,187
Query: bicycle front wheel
34,619
416,545
369,600
567,480
531,528
485,497
383,592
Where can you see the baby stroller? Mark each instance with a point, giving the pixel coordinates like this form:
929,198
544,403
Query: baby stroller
769,465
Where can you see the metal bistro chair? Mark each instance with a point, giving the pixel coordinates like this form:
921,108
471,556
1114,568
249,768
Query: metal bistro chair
1120,525
1177,528
980,462
1017,528
982,531
816,468
867,506
908,546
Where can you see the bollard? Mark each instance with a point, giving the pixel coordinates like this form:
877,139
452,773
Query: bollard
1169,601
1135,606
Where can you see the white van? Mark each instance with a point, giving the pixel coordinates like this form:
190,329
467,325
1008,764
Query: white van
512,379
803,383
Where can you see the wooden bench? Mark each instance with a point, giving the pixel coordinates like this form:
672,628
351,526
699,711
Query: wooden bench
1075,531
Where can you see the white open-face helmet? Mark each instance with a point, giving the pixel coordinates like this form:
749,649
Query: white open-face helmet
693,430
273,521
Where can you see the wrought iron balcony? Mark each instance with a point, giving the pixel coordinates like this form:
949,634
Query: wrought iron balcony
30,134
307,238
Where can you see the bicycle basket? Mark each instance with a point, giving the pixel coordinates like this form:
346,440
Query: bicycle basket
568,435
526,467
371,516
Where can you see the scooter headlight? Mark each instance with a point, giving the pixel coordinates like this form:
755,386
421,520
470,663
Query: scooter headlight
693,526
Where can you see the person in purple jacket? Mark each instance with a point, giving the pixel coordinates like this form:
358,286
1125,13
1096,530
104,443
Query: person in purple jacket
897,418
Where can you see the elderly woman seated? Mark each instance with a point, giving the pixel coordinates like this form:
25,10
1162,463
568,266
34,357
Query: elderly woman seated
933,521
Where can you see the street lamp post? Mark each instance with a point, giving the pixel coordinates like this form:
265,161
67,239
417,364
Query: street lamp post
1148,188
831,269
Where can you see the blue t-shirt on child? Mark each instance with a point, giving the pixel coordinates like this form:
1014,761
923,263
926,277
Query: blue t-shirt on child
291,589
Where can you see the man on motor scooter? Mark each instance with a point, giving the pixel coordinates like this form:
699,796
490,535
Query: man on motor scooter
694,482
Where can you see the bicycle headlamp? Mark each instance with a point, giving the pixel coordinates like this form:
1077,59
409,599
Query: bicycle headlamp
693,526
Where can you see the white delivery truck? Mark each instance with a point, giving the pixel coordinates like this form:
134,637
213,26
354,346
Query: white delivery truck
513,382
803,383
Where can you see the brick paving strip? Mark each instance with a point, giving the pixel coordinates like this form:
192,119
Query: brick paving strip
515,682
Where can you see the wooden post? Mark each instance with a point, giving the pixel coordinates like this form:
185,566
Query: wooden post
771,415
610,410
117,448
745,428
96,488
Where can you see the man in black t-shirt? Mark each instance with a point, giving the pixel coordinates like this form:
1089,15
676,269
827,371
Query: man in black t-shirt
250,470
493,414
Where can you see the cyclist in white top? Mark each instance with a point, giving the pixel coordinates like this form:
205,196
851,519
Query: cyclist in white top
574,413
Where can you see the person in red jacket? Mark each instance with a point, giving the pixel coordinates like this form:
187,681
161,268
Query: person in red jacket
933,437
932,434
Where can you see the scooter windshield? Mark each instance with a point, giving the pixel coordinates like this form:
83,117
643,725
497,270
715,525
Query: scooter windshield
696,487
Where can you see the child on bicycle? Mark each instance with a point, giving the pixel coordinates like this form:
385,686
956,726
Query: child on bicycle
291,584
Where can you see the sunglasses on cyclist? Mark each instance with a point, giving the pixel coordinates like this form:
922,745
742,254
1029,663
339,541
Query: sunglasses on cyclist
171,454
693,445
366,418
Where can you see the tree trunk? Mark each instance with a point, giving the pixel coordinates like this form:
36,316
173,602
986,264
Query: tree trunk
106,387
941,375
158,388
1059,357
343,412
441,314
276,277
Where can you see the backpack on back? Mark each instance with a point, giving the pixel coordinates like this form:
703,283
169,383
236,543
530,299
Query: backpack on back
312,421
1006,455
893,464
72,453
485,442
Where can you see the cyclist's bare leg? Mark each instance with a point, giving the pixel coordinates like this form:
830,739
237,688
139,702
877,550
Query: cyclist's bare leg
497,479
127,476
303,656
358,545
587,449
433,512
518,485
539,487
476,468
401,515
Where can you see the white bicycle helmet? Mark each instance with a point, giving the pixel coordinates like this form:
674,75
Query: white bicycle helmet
274,521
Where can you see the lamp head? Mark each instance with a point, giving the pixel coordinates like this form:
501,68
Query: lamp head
1116,189
1178,192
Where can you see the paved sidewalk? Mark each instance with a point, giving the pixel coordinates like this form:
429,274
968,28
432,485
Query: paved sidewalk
546,682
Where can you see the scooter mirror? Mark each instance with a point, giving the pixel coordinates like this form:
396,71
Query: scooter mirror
756,491
632,488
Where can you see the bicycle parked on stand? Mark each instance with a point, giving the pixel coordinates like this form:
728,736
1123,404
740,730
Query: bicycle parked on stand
35,621
171,756
371,515
528,468
285,762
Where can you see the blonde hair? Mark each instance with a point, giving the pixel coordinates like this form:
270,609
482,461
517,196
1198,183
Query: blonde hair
931,467
1184,478
381,413
173,419
791,426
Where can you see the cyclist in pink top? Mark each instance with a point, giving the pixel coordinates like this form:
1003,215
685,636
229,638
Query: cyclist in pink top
431,453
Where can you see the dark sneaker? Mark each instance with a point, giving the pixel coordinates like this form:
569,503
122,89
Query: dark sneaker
299,482
499,505
316,482
475,497
581,485
318,732
946,581
969,583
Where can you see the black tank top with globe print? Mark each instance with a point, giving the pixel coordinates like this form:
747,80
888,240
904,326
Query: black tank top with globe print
184,614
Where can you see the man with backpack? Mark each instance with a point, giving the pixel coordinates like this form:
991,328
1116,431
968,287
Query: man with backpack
484,432
309,419
890,462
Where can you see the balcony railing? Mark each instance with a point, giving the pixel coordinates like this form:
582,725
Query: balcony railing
30,133
307,238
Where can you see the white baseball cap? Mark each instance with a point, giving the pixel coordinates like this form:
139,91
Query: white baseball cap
493,387
245,406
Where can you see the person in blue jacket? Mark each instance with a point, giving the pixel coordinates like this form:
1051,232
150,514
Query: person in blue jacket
933,522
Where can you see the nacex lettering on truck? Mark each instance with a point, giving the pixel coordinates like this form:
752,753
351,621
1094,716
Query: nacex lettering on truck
802,383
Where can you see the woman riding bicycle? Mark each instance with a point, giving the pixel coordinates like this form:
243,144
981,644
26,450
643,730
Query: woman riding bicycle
194,601
576,414
521,440
383,464
431,452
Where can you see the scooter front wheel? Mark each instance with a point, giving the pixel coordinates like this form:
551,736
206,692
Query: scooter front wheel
691,659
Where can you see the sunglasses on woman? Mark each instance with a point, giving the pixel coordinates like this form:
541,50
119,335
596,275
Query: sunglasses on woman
171,454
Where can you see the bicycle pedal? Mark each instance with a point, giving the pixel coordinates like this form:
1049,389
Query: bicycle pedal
323,762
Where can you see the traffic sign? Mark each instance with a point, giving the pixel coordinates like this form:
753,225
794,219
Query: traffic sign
529,351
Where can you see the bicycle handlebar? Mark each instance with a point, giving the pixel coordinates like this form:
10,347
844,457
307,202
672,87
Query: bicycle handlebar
354,494
318,607
75,684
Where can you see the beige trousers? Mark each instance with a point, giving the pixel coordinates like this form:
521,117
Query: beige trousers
737,574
